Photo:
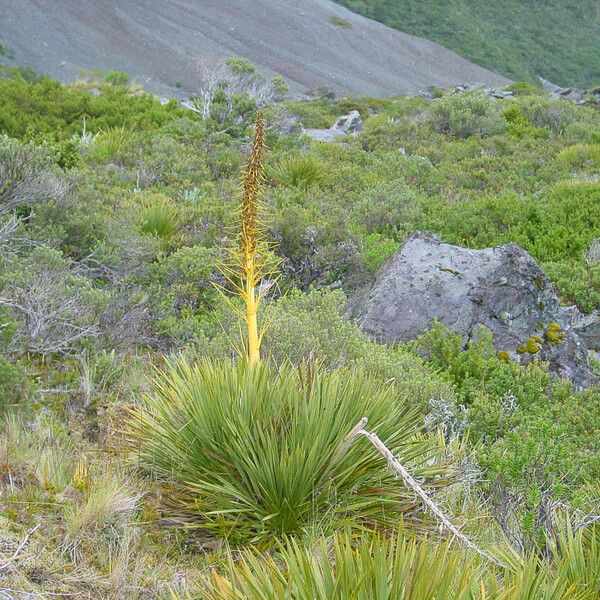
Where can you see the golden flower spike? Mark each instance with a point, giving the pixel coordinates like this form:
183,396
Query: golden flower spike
252,260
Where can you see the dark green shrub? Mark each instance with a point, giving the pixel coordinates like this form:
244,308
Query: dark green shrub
520,126
465,115
47,110
4,51
14,383
377,249
183,293
117,78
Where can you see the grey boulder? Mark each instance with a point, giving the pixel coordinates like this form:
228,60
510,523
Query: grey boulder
323,135
501,288
349,124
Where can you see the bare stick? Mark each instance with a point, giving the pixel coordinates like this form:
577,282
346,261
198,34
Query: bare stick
19,549
396,466
347,442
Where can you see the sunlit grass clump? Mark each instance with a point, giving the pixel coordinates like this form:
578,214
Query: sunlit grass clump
250,453
111,142
299,172
159,217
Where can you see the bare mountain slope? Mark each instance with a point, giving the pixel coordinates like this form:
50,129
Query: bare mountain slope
158,42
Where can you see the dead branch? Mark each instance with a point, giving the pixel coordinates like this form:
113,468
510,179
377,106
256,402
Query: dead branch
396,466
18,551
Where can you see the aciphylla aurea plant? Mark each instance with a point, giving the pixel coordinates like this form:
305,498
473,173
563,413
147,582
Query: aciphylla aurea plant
253,451
251,260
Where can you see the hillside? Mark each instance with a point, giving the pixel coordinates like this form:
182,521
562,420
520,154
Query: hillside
554,39
310,42
143,457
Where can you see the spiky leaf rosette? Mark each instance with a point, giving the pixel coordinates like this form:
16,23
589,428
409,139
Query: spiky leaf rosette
250,453
400,567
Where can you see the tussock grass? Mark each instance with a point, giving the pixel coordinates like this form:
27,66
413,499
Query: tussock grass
159,217
298,171
107,508
110,143
81,521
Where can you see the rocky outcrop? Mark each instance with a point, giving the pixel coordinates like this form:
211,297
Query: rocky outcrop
580,97
500,288
323,135
491,92
289,125
349,124
589,96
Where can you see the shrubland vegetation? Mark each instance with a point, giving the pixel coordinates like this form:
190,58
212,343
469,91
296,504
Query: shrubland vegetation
148,460
553,39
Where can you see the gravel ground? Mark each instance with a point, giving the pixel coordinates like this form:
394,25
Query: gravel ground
159,42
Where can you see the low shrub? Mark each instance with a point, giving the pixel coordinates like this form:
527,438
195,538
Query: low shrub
322,111
183,293
578,159
56,309
311,326
391,208
537,436
579,283
117,78
339,22
377,249
44,109
14,383
520,126
553,115
28,176
556,227
525,88
464,115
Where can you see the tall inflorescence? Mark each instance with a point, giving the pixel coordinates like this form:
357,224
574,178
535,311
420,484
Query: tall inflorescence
251,261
